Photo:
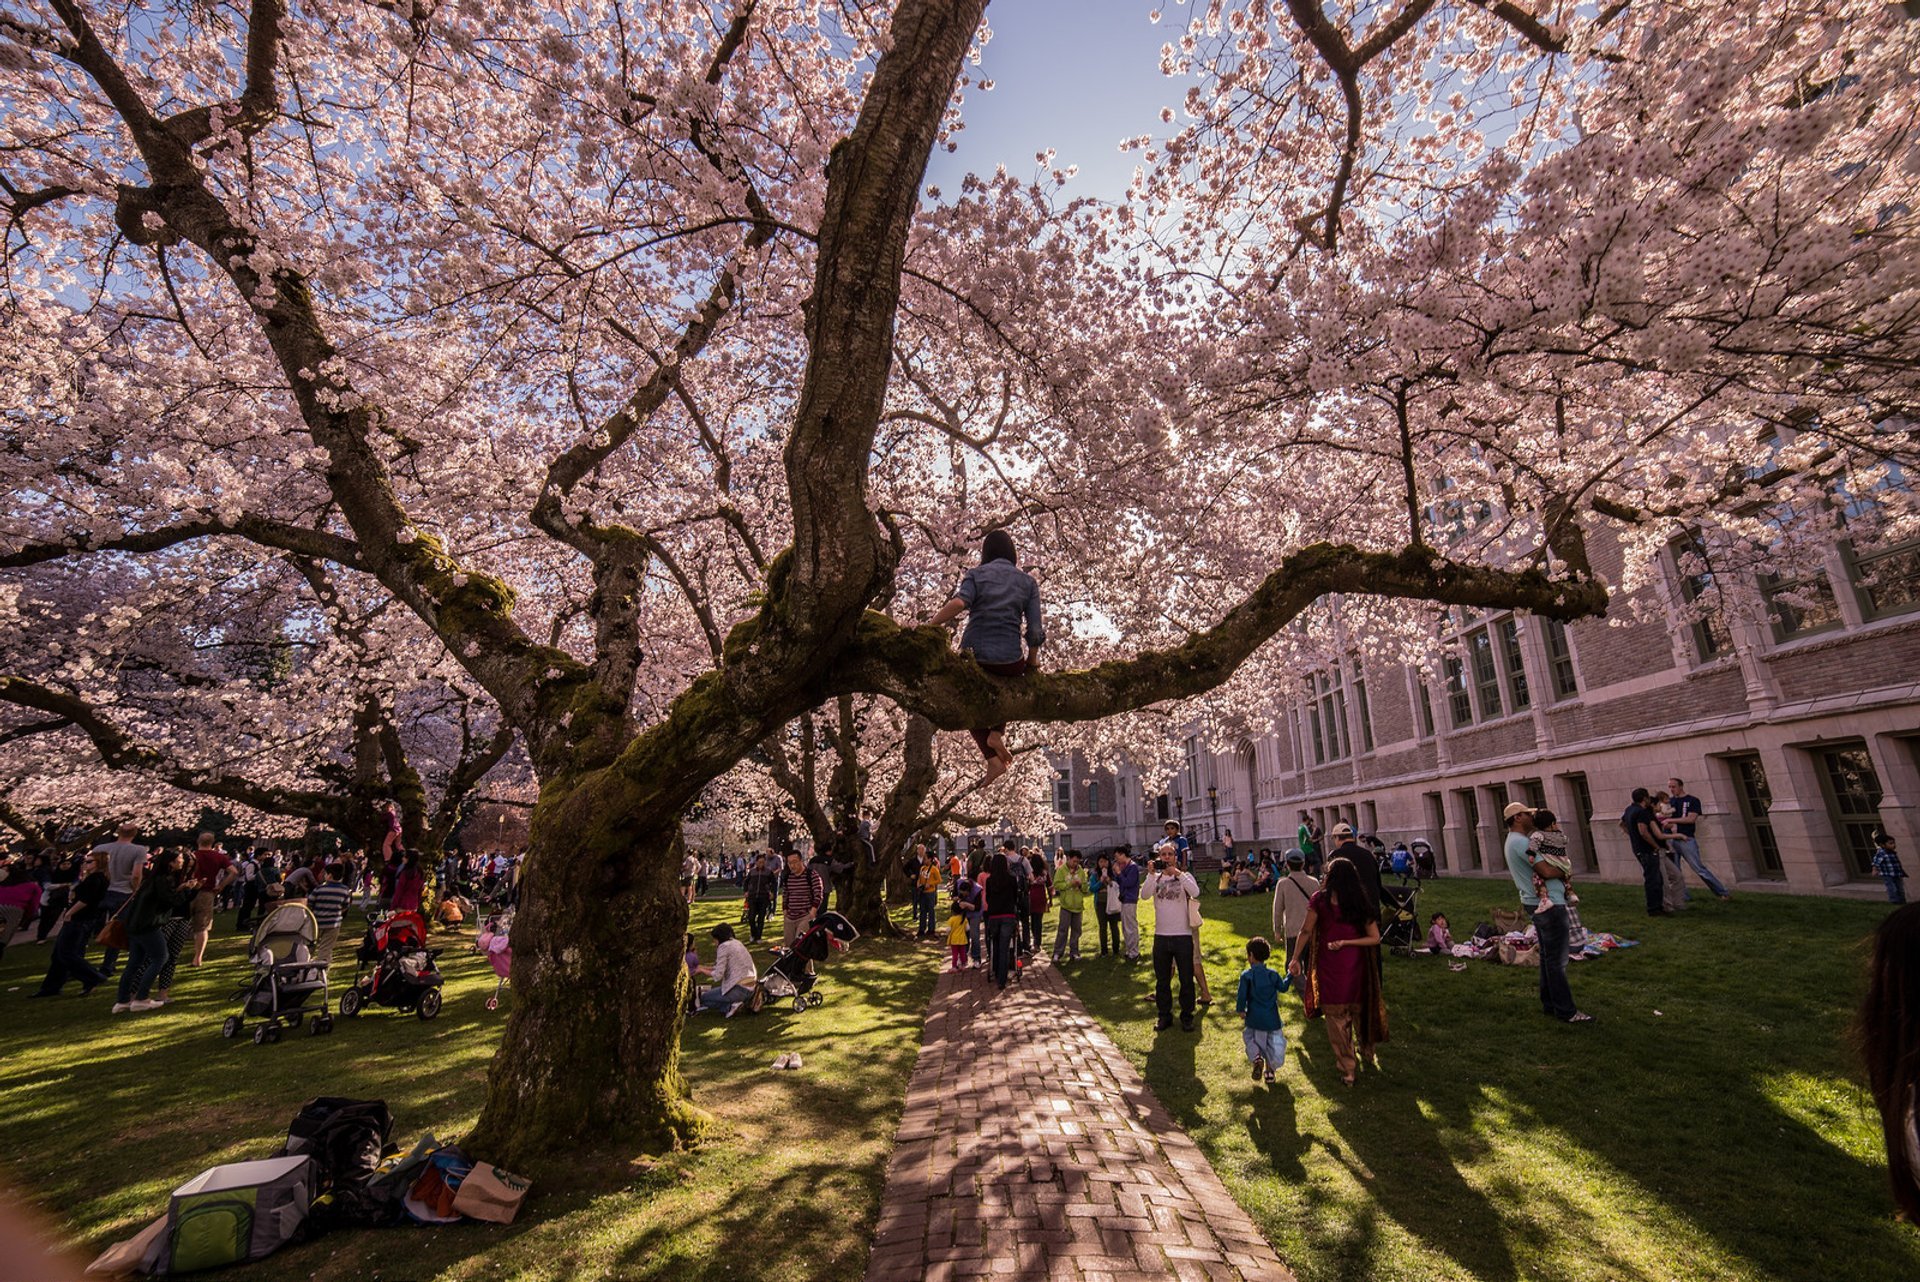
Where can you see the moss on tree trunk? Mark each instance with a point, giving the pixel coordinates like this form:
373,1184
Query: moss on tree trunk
590,1056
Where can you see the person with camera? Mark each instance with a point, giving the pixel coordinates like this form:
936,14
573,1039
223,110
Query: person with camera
1176,898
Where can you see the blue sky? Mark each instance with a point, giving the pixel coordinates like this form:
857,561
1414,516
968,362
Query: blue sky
1074,75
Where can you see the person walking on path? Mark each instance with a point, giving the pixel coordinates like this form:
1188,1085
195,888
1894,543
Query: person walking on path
126,865
1070,891
1338,979
803,895
1685,840
1886,866
212,870
1290,898
1126,879
1003,909
971,899
997,596
927,881
1544,895
1173,892
1036,901
1258,1001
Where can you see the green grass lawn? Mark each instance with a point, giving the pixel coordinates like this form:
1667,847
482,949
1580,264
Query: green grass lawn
104,1114
1711,1125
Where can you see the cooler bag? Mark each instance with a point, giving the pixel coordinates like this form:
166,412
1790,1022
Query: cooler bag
238,1212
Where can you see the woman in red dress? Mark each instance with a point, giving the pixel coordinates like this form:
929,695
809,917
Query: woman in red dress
1337,974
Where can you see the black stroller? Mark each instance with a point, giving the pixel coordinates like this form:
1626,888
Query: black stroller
791,974
287,975
1423,863
396,969
1400,917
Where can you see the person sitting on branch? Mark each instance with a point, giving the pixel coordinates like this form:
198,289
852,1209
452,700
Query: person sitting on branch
996,596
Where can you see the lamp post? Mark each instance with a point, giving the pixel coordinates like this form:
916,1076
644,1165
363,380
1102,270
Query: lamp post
1213,802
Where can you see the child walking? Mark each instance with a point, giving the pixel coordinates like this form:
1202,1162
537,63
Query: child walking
956,937
1258,1002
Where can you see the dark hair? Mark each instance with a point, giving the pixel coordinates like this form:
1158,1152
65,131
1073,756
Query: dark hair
1259,949
1350,898
998,546
1640,794
1679,782
998,867
723,932
1889,1032
1009,844
1544,818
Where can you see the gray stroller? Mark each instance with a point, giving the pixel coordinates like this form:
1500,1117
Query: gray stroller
287,978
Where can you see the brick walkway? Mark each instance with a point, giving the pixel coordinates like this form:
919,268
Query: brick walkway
1031,1148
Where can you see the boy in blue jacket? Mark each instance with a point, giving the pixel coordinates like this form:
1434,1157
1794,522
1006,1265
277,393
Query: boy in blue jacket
1258,1002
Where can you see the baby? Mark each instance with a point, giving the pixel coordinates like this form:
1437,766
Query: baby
1550,860
1439,936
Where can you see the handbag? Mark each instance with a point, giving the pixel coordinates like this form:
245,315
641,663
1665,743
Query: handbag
1193,913
1113,899
113,935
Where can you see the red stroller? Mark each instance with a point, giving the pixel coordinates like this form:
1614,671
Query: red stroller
396,969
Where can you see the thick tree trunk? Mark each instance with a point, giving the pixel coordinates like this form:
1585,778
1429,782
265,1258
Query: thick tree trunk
866,898
590,1055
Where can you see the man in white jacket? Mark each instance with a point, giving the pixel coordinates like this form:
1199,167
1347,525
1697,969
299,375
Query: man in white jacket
1172,891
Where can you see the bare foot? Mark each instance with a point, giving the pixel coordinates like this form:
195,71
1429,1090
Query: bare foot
996,766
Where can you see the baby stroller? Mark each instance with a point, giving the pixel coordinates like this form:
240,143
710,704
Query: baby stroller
285,978
1423,865
1399,917
396,969
495,946
790,975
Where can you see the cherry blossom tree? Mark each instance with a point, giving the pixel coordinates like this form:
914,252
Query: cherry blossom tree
626,357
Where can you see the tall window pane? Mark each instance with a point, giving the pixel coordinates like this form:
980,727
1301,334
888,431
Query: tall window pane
1516,665
1486,676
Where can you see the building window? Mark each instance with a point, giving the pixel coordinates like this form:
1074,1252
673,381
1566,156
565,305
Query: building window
1459,703
1583,820
1509,631
1327,717
1093,796
1424,702
1470,811
1486,674
1756,800
1062,794
1534,792
1802,602
1853,799
1887,576
1361,706
1699,589
1566,681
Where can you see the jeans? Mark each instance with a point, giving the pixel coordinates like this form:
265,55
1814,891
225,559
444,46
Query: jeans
253,899
1130,928
715,999
1000,931
112,904
146,954
925,902
70,954
757,917
1105,924
1688,849
1556,999
1650,878
1269,1044
1896,889
1066,935
977,938
1171,952
1030,929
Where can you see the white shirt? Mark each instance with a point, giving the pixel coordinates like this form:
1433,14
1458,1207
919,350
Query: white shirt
1170,893
732,964
1290,903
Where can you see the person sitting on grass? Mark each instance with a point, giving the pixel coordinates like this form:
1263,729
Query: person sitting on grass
1439,935
1258,1002
731,980
996,596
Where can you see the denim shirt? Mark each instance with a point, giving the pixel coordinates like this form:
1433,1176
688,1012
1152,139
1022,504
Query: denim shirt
998,594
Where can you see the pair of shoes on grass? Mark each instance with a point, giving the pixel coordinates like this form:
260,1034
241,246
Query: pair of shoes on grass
789,1060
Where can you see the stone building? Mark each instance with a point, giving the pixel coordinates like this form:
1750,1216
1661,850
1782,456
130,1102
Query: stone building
1797,724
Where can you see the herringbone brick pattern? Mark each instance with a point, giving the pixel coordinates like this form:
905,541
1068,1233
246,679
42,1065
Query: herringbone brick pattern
1030,1148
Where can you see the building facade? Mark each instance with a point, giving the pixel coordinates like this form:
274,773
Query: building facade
1797,724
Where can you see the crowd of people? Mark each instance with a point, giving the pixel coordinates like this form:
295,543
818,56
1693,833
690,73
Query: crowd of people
153,907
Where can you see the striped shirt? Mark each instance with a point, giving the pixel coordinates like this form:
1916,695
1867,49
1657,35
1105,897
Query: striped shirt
804,892
329,904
